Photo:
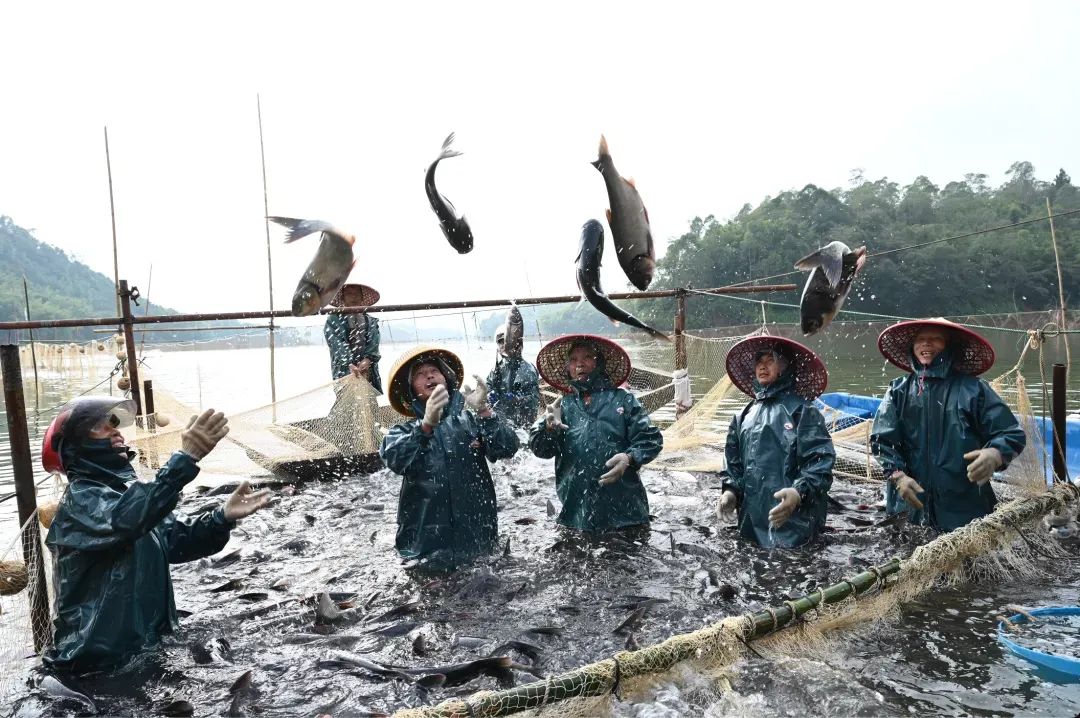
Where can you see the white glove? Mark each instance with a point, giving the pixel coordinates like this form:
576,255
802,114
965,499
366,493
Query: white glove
907,488
477,399
203,433
618,465
728,502
681,379
553,416
433,410
789,501
983,464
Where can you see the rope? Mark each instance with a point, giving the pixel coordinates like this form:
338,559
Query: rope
884,252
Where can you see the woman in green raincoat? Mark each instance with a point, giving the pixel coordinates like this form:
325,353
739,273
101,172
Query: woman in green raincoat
598,434
353,339
513,383
779,453
113,537
447,512
941,432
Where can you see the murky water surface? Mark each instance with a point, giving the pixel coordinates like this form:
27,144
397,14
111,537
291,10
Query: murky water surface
548,600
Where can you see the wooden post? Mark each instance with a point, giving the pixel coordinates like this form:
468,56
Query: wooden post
1061,472
148,397
129,342
25,492
1061,288
680,327
33,353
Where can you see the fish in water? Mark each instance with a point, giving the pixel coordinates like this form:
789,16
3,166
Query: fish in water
514,339
55,689
629,222
459,673
694,549
632,621
178,708
328,270
832,270
455,228
590,254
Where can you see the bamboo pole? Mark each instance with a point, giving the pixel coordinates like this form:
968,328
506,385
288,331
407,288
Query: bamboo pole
112,215
33,353
1061,288
269,260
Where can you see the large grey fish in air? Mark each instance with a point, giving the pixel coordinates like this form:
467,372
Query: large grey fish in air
590,254
455,228
514,338
629,222
832,270
328,270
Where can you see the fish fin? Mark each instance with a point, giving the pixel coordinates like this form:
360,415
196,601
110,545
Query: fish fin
446,151
609,217
630,181
829,258
299,228
645,212
860,259
603,149
602,152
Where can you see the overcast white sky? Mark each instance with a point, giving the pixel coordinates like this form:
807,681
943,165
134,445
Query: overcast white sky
706,105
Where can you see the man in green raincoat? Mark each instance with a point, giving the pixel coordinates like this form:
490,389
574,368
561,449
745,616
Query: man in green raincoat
513,383
353,339
113,537
599,435
447,512
779,452
941,432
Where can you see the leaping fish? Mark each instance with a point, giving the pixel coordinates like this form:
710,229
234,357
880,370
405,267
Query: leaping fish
832,270
629,222
328,270
456,229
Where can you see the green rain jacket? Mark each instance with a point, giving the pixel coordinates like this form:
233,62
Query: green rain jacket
514,388
113,539
351,338
924,426
779,441
446,508
612,422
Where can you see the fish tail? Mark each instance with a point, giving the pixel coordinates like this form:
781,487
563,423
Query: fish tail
602,152
446,151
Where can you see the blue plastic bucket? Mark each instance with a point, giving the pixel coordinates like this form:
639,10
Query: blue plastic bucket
1062,664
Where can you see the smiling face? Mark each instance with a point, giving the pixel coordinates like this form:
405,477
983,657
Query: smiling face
582,363
425,378
767,369
928,344
108,428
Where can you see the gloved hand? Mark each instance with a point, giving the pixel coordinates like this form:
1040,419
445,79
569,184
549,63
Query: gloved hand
907,488
433,410
618,465
728,502
203,433
477,398
553,416
789,501
983,464
244,502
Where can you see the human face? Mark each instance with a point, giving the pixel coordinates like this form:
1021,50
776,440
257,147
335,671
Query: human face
500,342
767,369
425,378
581,364
928,344
108,428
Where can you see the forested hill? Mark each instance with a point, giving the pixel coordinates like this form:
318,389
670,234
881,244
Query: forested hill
1010,270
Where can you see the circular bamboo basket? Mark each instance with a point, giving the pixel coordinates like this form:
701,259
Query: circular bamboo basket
46,513
13,577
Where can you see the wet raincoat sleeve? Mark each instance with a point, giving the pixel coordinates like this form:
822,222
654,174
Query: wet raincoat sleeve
405,446
645,438
733,474
371,346
192,537
500,439
888,438
816,455
999,426
543,443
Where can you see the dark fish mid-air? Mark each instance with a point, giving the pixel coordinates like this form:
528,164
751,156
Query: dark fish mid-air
590,254
328,270
629,222
832,270
455,228
514,339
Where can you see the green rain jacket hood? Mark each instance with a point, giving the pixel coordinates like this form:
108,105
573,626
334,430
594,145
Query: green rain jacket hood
113,539
447,512
925,424
612,422
514,387
351,338
779,441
